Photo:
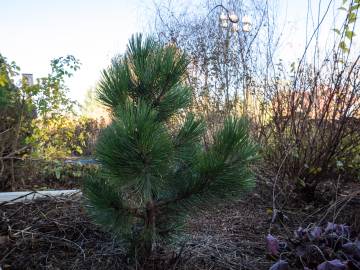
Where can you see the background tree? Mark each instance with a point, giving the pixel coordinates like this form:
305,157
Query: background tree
153,176
231,65
53,132
25,112
16,114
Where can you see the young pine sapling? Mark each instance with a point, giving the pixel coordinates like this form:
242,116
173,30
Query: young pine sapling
151,175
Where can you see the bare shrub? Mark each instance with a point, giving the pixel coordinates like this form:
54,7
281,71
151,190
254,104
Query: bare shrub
315,115
306,116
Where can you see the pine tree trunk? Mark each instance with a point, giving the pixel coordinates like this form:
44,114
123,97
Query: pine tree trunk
149,237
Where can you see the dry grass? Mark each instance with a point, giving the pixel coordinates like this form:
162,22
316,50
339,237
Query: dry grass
57,234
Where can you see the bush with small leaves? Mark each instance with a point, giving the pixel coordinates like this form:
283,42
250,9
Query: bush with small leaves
330,247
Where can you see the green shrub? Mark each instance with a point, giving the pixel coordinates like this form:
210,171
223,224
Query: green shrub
63,136
22,105
53,174
16,114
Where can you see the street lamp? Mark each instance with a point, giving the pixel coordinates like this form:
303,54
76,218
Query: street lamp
246,22
230,16
227,17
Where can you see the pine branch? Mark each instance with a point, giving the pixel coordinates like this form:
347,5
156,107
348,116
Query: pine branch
222,171
105,205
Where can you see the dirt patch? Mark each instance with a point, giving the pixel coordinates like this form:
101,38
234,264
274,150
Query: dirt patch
57,234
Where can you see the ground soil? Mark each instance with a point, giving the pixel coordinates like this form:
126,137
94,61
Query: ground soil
57,234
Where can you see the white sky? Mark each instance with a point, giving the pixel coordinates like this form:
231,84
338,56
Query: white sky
36,31
32,32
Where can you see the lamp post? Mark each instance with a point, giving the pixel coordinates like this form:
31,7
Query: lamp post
230,16
231,19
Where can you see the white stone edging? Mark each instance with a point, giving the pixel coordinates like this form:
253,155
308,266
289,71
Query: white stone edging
23,196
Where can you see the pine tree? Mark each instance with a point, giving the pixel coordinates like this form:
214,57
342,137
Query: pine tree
152,176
